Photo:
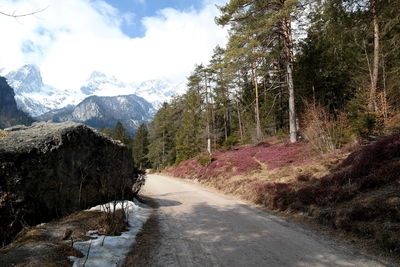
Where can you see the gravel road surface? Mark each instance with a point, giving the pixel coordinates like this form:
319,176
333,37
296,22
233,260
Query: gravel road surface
198,227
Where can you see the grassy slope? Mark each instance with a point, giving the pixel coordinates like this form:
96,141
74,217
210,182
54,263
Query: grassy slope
357,193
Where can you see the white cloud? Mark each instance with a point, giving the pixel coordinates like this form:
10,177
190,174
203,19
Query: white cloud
72,38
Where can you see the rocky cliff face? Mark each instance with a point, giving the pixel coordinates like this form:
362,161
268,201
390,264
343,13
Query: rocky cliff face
105,111
9,113
49,170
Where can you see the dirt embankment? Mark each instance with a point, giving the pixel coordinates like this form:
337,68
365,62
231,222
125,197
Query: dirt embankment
354,193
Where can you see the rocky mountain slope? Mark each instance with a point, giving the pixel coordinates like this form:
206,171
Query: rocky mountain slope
105,111
9,113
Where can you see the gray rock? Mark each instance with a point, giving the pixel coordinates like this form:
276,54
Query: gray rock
49,170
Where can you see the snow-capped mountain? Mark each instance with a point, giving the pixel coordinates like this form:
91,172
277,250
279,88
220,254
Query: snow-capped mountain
35,97
105,111
154,91
159,91
103,85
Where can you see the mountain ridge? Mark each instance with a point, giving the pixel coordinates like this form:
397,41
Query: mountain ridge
37,98
105,111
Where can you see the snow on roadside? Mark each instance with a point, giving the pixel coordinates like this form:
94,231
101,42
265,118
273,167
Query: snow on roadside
112,250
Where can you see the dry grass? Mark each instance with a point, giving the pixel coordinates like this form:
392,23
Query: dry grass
48,245
324,132
112,223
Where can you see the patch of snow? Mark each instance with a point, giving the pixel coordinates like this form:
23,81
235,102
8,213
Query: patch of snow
122,100
112,250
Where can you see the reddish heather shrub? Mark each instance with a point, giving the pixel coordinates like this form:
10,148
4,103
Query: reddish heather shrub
263,144
283,155
386,173
276,195
363,213
261,192
372,167
224,164
338,178
310,194
282,196
303,177
374,155
326,216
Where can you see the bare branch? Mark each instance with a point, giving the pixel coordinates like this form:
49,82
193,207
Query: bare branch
14,15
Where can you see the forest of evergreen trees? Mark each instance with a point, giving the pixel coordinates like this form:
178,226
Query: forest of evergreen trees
326,72
138,144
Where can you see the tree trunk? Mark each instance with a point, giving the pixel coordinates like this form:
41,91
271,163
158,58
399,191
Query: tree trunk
207,115
288,43
257,109
375,64
226,124
385,109
240,122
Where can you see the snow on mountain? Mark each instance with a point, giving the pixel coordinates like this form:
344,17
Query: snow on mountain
159,91
154,91
35,97
105,111
102,85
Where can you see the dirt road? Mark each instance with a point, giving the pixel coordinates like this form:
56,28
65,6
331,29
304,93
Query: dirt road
198,227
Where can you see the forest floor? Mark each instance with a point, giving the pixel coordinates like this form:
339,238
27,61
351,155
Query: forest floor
353,193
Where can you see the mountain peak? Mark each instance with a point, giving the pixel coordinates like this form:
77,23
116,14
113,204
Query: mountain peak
30,68
96,75
26,79
99,83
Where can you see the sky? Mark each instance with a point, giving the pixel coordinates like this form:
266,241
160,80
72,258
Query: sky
133,40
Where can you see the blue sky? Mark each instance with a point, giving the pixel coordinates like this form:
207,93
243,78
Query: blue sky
149,8
133,40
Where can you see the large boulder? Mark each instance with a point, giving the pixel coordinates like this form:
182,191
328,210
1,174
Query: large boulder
49,170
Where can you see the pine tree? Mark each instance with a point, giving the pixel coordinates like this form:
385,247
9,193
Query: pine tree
107,131
120,133
189,139
140,147
255,22
222,82
162,134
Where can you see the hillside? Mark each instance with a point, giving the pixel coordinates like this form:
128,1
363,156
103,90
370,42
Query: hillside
356,192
